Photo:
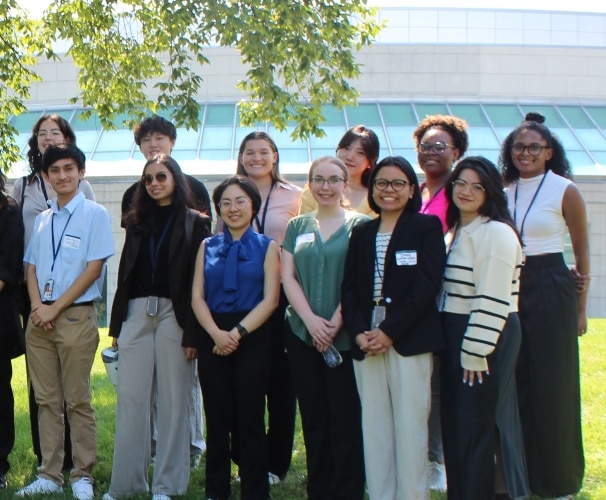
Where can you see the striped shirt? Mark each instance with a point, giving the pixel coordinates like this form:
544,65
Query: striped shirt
381,245
481,279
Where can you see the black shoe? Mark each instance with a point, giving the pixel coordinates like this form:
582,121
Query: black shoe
3,482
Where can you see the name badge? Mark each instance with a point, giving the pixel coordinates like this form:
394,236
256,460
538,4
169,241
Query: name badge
48,289
305,238
406,258
72,242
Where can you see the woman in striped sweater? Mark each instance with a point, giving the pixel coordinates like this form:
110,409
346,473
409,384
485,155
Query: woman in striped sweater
479,301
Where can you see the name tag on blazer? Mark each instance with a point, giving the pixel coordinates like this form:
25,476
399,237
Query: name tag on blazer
406,258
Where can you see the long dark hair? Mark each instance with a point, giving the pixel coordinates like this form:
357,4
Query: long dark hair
495,203
414,204
370,145
34,156
262,136
558,163
141,215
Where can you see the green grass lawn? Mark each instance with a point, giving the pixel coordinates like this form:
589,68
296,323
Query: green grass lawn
593,363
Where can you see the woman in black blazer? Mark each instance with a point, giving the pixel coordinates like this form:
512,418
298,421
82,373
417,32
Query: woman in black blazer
153,323
393,273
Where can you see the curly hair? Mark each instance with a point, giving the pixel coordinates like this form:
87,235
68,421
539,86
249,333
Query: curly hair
141,216
453,125
34,156
558,163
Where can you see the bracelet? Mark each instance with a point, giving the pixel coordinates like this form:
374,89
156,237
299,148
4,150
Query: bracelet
241,330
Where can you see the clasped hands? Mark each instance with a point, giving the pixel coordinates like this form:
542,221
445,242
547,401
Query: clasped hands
374,342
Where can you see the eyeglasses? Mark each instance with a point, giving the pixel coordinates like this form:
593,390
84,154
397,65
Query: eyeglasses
331,181
396,185
240,202
43,134
461,185
534,149
436,147
148,179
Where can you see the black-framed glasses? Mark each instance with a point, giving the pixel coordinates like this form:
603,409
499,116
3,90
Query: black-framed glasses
436,147
396,184
461,185
533,149
331,181
148,179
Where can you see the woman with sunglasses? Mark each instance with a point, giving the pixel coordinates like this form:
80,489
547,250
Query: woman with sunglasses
152,322
34,195
236,289
441,140
319,349
479,300
359,150
392,276
545,204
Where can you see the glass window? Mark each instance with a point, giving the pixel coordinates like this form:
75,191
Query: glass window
216,138
25,121
87,139
333,116
220,114
503,115
187,140
398,114
90,123
399,137
483,137
598,114
366,114
329,141
114,145
241,133
424,110
552,118
592,139
472,113
576,117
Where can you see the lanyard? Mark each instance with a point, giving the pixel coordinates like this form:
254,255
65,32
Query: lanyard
425,209
261,224
58,247
44,189
154,250
515,207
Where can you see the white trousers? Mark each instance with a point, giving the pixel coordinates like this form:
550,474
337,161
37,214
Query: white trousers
151,347
395,395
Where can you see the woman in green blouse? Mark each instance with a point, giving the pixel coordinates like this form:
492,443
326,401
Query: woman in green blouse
313,257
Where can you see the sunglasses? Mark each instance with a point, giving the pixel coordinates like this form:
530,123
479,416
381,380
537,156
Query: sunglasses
148,179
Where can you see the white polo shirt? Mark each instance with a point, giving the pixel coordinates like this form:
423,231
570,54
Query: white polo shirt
82,233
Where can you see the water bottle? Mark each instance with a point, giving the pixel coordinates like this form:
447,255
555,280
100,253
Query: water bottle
332,357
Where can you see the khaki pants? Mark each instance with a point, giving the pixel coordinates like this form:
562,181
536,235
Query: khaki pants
59,363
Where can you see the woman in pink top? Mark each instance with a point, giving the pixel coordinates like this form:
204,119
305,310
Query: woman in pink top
440,140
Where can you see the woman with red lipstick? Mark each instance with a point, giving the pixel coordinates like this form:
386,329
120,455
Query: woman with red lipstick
441,140
545,204
479,301
359,150
392,275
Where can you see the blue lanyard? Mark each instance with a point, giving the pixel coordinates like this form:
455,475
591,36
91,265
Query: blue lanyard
154,250
58,247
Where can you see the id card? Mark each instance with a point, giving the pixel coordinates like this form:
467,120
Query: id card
48,290
152,306
378,316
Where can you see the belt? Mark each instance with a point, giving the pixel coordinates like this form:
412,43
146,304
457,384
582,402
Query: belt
75,304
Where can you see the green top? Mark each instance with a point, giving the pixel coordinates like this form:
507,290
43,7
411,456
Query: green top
319,266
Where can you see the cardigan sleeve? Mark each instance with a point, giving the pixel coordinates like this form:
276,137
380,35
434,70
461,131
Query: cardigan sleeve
494,270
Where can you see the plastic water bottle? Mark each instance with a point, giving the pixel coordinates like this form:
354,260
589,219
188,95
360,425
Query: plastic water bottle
332,357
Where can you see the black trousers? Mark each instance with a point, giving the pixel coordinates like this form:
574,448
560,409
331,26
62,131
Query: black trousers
469,414
7,413
332,422
233,389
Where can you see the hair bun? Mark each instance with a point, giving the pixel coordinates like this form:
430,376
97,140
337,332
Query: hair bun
533,116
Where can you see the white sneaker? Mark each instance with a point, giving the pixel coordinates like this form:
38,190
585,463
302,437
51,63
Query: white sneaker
40,486
437,477
82,489
160,496
272,478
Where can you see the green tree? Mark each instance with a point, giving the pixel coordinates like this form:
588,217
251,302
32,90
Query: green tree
20,42
300,54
